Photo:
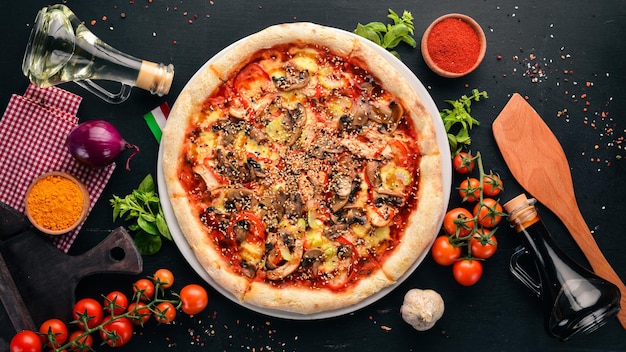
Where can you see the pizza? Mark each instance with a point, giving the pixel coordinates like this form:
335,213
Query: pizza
303,170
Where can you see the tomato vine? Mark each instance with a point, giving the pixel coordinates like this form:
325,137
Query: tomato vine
468,236
151,298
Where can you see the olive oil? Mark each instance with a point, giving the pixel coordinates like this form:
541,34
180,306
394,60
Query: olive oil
62,49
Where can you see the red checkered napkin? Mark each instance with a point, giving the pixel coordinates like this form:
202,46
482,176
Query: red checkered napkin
33,131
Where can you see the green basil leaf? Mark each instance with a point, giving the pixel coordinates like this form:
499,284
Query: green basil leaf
139,208
463,136
147,185
395,53
394,16
116,211
454,147
393,37
148,227
162,226
142,197
147,244
377,27
390,35
367,33
152,198
147,217
409,40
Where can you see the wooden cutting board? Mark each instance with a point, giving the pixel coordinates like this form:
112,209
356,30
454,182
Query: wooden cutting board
537,161
38,281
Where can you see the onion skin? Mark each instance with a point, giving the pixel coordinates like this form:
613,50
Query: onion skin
97,143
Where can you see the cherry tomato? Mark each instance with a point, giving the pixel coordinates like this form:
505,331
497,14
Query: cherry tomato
458,221
492,185
467,271
463,162
483,244
165,312
469,189
89,309
25,341
139,315
489,213
164,277
117,332
144,289
443,252
194,299
80,345
53,332
117,300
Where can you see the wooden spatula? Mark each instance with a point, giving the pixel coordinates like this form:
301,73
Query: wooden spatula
538,163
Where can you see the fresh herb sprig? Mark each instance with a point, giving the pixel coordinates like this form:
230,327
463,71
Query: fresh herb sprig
391,35
460,116
143,207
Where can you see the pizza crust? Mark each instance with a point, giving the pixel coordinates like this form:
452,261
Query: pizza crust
210,259
301,32
308,301
422,224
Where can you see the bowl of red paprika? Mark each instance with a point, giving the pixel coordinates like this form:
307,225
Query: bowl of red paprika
453,45
56,203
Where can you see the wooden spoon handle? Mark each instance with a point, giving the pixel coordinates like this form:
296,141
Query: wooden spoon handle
575,224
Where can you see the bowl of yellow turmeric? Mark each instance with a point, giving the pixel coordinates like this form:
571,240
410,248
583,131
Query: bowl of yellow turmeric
56,203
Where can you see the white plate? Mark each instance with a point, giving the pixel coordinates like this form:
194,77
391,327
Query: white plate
444,148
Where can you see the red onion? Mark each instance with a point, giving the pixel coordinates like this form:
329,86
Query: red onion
98,143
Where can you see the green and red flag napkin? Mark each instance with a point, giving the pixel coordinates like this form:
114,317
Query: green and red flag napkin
156,120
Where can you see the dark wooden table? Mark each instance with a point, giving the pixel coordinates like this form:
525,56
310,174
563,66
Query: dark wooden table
566,57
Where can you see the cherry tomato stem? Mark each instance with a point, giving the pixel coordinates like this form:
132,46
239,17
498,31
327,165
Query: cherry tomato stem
164,278
53,332
483,244
463,162
116,329
458,222
469,232
469,189
165,312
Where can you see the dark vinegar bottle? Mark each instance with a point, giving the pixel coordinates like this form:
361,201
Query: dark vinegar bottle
576,301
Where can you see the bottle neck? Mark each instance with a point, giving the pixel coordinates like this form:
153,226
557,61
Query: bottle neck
155,78
522,212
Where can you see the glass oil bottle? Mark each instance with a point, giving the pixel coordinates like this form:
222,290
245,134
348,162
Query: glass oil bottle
61,49
576,301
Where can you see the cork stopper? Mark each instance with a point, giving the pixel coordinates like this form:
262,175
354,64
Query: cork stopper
155,78
521,209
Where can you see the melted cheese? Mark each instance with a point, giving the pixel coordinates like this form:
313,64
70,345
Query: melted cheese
204,146
252,253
